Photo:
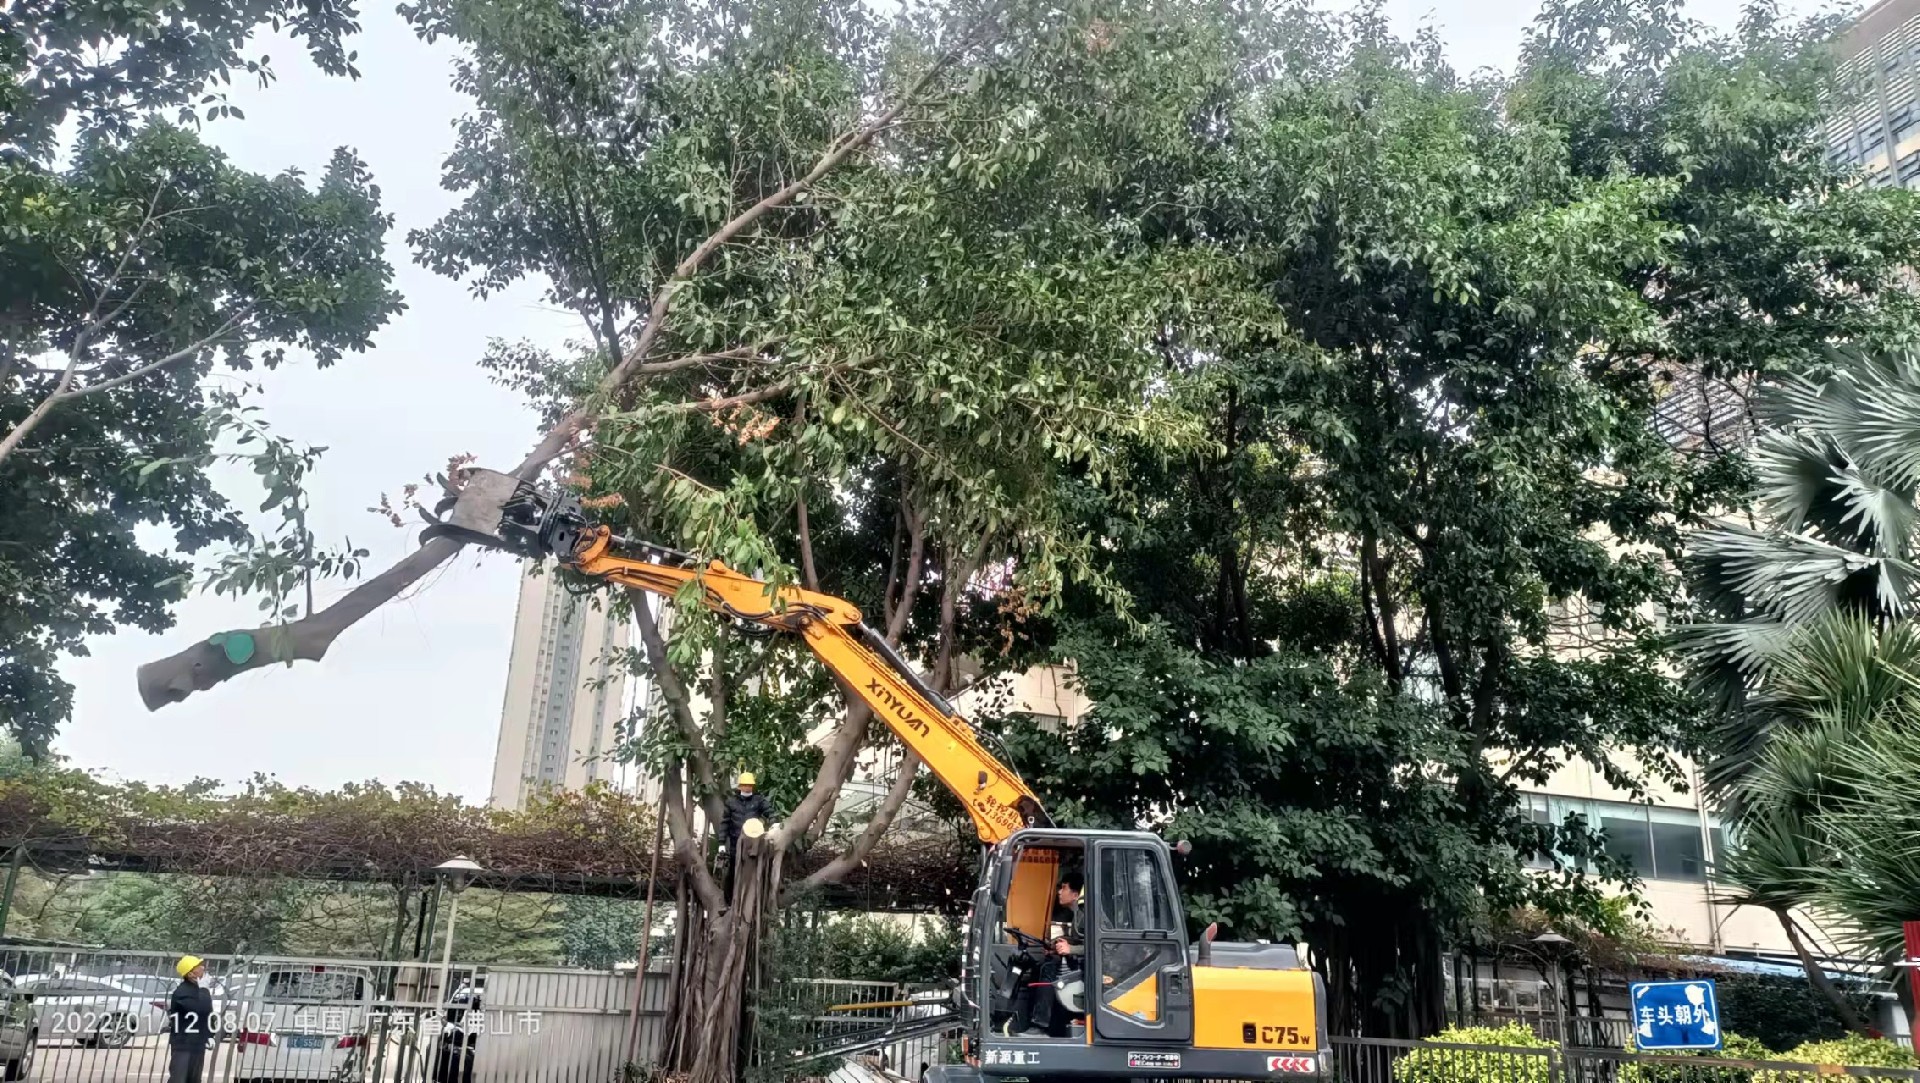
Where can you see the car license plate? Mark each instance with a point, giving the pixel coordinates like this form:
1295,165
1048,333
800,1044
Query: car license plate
304,1041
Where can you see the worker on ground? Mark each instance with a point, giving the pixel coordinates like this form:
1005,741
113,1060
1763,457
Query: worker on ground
745,804
189,1021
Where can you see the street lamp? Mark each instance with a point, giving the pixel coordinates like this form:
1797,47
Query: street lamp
1554,944
454,875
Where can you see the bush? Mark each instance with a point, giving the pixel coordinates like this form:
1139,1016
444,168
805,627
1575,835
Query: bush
1787,1011
1736,1048
1853,1051
1429,1065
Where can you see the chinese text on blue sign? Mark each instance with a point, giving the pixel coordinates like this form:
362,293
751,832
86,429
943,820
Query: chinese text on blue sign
1675,1015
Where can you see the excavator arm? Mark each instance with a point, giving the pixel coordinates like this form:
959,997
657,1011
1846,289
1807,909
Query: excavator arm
502,512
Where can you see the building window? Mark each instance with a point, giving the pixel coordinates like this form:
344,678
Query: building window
1628,841
1679,853
1872,139
1902,119
1657,843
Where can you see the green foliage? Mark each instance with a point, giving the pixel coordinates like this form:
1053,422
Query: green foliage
1734,1047
600,932
877,949
129,269
1853,1050
1836,479
52,67
1430,1065
1434,517
1788,1011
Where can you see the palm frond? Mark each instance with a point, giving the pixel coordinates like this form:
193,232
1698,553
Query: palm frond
1869,407
1794,577
1805,482
1773,864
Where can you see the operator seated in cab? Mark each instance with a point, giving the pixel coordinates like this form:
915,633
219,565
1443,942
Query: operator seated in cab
1037,1006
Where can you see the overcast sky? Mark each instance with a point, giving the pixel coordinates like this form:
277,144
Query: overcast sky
414,691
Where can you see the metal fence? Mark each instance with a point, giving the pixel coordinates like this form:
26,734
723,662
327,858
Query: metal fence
1385,1060
1608,1066
843,1030
99,1017
1388,1060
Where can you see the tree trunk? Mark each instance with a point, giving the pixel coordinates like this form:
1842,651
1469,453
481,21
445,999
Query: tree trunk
717,974
1817,974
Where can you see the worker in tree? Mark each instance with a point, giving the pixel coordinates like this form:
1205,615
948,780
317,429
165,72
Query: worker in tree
746,804
189,1021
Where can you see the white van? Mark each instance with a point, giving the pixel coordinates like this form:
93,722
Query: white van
301,1022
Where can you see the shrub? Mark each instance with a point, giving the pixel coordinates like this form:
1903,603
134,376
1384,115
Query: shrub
1735,1048
1428,1065
1853,1051
1786,1011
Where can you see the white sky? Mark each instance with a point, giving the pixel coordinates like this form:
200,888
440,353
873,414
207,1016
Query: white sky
413,693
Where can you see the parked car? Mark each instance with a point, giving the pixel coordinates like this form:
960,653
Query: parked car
19,1037
90,1010
301,1022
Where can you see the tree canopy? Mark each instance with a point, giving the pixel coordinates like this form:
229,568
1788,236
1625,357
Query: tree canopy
133,261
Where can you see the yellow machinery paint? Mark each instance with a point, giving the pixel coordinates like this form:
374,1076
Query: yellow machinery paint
1241,1008
1030,897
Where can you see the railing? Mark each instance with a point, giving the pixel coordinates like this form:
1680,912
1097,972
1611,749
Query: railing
818,1028
1389,1060
1607,1066
1385,1060
100,1017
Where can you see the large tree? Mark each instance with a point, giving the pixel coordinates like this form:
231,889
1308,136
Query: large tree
133,261
1434,527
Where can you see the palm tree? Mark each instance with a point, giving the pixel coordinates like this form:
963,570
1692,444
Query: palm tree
1845,682
1837,481
1805,648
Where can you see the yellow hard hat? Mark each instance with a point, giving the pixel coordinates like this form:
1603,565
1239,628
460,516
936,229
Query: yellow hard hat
186,964
746,779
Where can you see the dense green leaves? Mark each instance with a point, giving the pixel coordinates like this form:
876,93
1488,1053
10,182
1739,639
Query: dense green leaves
129,268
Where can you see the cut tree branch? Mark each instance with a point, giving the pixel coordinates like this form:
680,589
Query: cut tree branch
208,663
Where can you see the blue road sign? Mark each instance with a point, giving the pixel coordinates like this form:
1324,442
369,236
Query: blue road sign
1675,1015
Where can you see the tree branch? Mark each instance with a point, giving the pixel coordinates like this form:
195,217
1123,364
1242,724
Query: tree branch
205,665
897,610
841,748
65,391
809,575
877,825
679,705
686,846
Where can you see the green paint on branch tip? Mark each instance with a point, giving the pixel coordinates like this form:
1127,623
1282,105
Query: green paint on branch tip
238,646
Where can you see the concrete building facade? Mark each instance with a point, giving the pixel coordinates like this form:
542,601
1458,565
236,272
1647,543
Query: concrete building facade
1877,127
567,694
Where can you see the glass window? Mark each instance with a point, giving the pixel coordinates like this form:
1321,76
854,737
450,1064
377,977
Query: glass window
1627,839
1132,894
1537,811
314,985
1678,852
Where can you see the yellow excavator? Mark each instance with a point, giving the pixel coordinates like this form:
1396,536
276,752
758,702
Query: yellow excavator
1105,986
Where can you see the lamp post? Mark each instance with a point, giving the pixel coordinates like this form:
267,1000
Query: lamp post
1554,944
454,875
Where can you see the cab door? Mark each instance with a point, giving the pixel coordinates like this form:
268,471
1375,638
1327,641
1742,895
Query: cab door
1138,985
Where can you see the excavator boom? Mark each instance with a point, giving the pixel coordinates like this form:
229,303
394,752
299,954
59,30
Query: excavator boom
497,510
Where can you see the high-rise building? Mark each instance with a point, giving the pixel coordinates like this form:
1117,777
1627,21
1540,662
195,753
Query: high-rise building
1878,129
567,692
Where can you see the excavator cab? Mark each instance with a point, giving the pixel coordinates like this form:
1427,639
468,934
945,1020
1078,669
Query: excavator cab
1130,997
